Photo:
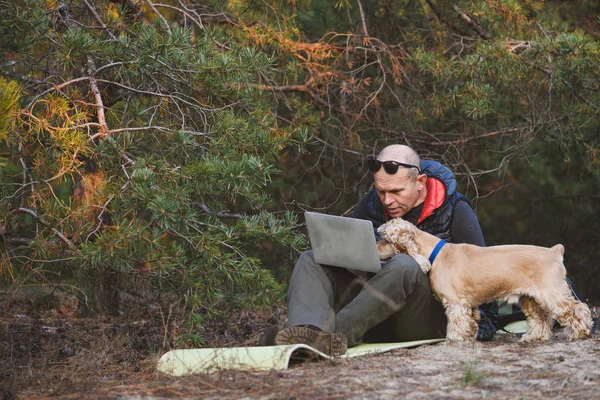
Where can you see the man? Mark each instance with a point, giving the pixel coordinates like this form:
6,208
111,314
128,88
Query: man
331,308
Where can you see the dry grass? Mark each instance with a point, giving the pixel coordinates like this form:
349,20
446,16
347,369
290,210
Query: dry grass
46,351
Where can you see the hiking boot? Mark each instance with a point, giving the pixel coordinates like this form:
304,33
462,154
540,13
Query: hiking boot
332,344
266,336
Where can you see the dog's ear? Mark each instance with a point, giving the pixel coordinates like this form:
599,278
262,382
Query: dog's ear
412,249
389,232
423,263
401,234
382,230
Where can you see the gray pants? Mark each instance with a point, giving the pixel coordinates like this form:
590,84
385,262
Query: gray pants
396,304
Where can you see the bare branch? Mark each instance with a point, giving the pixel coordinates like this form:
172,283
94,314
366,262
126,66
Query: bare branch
54,88
93,11
476,27
285,88
362,18
99,107
221,214
159,15
22,210
144,128
483,136
158,94
185,11
110,65
356,153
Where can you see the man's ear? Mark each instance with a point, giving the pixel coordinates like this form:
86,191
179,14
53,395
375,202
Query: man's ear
421,181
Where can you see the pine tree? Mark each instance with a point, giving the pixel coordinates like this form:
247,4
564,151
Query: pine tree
150,139
504,92
140,156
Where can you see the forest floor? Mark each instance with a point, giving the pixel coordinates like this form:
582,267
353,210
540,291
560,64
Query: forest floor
48,353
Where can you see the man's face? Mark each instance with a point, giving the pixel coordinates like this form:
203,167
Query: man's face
398,193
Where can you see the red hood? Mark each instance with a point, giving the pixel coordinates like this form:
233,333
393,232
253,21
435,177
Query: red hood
436,194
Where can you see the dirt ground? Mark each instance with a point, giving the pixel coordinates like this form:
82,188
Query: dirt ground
51,354
500,369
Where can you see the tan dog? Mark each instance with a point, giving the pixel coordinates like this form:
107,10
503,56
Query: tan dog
463,276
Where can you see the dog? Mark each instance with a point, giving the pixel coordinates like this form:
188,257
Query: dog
463,276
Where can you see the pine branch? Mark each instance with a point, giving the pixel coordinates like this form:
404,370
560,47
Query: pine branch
222,214
479,137
476,27
303,88
157,94
164,21
141,128
18,240
285,88
55,88
22,210
22,161
185,11
99,103
443,18
93,11
318,139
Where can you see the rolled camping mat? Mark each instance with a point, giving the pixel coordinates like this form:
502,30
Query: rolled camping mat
259,358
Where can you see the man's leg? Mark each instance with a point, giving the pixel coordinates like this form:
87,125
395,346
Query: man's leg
399,292
316,292
313,292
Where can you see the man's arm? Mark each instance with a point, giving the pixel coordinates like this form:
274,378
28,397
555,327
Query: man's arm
360,211
367,209
465,228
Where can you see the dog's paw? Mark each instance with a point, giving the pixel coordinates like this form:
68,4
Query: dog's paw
580,335
528,338
458,339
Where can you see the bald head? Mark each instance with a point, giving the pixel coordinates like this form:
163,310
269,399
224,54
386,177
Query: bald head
400,153
403,154
404,189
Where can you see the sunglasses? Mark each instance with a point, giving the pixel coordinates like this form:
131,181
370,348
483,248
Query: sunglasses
391,167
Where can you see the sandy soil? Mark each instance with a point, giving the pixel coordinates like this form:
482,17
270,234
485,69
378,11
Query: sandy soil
502,368
54,355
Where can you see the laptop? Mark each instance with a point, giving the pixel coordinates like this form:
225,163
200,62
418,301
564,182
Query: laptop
343,242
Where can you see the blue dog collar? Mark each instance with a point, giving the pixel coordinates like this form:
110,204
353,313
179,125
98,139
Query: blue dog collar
436,250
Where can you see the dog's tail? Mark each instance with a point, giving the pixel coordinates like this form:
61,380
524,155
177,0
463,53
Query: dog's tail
558,249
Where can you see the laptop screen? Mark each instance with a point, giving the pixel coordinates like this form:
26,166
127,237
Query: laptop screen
343,242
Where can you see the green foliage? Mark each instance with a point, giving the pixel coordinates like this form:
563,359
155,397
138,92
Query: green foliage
213,120
10,93
21,26
472,375
146,152
504,92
